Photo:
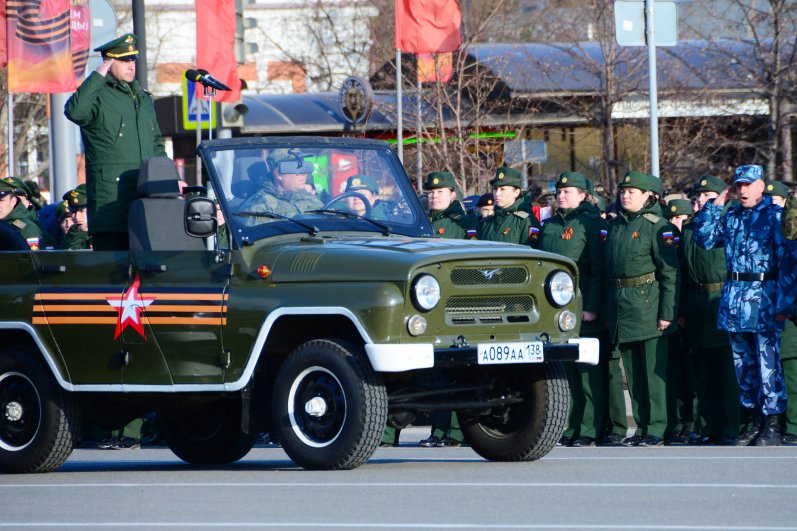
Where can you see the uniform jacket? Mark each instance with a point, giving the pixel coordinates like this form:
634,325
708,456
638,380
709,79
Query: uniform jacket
699,306
753,244
119,129
580,234
454,222
511,225
637,244
76,239
26,223
270,199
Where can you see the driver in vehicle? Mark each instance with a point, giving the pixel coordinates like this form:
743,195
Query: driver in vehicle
285,193
367,187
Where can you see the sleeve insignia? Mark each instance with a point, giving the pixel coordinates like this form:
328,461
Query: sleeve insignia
669,239
604,235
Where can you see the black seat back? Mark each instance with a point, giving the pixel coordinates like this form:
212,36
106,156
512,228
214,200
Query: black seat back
155,222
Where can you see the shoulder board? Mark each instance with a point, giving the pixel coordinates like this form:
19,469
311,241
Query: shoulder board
522,214
653,218
18,223
455,217
148,93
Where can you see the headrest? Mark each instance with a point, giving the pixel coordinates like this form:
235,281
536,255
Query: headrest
158,178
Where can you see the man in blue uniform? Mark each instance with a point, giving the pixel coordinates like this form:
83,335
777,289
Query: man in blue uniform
757,298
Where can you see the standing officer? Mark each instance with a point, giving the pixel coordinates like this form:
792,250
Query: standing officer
642,271
510,223
575,232
449,220
703,275
757,297
119,130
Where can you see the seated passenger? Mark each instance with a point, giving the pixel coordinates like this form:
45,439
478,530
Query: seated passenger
14,213
366,186
78,236
285,193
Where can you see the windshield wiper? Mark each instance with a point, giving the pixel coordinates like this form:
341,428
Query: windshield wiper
313,230
386,230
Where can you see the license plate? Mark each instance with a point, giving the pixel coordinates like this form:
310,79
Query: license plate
514,352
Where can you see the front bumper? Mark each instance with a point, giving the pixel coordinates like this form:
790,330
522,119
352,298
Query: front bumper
408,357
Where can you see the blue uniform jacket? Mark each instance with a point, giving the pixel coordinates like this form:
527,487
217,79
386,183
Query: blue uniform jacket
753,244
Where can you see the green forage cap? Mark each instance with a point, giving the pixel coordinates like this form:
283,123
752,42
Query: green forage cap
506,177
709,183
123,48
679,207
576,179
440,179
776,188
77,198
641,181
62,210
362,182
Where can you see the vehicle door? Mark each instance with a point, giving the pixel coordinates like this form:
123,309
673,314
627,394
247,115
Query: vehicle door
77,299
185,298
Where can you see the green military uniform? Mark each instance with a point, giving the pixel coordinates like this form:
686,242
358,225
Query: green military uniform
453,222
510,224
702,276
578,233
119,129
77,237
642,272
25,221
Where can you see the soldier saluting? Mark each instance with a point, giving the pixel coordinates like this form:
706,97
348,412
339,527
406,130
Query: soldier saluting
757,298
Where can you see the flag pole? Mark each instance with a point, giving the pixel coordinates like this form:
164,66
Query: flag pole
419,157
399,109
11,168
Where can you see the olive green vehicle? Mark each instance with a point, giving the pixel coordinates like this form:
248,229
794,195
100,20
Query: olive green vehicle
318,327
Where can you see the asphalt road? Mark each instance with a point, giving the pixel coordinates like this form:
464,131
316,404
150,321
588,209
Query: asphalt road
415,488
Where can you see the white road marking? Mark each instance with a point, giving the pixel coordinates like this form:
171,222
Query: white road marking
413,485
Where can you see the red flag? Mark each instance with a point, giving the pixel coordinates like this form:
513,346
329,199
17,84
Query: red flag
39,49
215,45
81,36
428,26
3,41
435,67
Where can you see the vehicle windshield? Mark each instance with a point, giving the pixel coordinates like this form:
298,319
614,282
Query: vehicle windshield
268,188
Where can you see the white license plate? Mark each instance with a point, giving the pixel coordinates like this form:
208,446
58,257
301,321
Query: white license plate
514,352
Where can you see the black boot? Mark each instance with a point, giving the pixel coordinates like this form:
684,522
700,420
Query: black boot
752,430
770,435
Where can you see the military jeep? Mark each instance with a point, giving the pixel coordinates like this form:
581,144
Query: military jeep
318,326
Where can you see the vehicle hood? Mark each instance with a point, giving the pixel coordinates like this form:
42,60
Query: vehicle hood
363,259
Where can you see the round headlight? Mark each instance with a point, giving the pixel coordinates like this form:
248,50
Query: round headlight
560,288
567,321
416,325
426,292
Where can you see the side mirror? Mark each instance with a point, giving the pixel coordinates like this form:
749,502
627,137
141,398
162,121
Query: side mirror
200,217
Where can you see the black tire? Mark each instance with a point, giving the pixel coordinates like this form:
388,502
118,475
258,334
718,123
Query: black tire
351,403
39,421
209,435
524,431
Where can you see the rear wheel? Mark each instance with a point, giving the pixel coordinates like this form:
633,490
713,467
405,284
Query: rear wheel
39,421
527,430
210,435
329,406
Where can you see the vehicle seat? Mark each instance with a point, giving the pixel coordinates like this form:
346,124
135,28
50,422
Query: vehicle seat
155,222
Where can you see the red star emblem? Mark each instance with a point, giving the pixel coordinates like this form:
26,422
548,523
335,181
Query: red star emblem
130,305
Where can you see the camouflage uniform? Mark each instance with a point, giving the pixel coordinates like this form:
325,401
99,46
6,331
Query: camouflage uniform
578,233
753,245
270,199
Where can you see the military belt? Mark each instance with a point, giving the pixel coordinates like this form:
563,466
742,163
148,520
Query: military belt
633,282
715,286
751,277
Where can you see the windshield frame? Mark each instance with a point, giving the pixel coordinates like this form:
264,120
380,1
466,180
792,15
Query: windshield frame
243,235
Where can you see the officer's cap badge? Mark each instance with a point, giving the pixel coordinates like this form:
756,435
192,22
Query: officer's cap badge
770,187
704,182
627,178
356,182
564,179
501,175
673,208
436,181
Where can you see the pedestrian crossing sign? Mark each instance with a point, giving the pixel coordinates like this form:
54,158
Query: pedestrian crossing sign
196,109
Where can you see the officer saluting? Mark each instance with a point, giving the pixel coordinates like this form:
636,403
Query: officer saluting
448,216
576,231
642,273
119,129
758,296
509,223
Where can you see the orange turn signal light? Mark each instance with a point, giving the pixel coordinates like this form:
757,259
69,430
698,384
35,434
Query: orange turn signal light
264,271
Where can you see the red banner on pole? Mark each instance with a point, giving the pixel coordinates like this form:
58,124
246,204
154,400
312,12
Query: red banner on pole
428,26
215,44
39,48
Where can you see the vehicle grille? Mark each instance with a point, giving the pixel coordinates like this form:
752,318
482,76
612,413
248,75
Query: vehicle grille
489,306
488,276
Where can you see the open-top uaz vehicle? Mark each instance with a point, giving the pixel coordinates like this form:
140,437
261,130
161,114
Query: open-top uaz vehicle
318,327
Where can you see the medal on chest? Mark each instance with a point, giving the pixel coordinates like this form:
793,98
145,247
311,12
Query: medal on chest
567,234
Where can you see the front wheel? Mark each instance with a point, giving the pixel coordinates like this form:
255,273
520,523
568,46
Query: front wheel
39,421
527,430
210,435
329,406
